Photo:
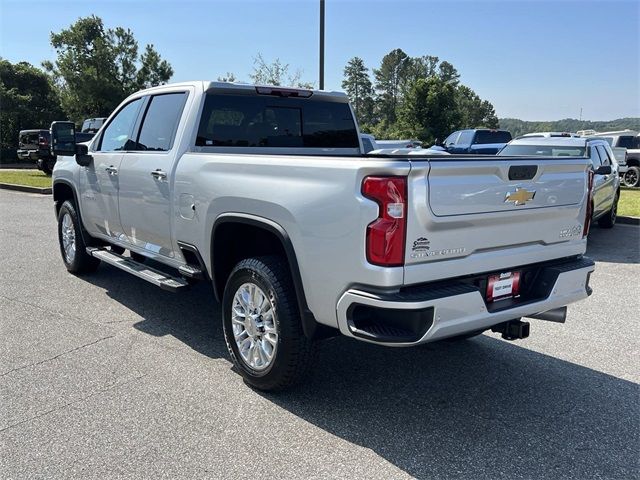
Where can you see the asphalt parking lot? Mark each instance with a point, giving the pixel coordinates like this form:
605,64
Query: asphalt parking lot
106,376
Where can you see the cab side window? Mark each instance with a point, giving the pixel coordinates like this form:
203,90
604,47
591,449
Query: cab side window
161,122
595,157
451,139
117,135
604,157
466,137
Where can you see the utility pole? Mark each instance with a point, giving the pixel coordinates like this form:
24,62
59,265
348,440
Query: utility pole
580,113
321,44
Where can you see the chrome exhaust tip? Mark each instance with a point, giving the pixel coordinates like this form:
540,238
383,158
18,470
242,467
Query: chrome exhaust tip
558,315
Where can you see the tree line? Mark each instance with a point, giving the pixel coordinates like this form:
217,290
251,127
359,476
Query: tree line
413,97
520,127
95,69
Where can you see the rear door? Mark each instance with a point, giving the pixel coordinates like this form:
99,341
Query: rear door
145,176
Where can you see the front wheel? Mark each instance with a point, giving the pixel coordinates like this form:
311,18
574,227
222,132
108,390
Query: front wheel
262,325
631,177
72,246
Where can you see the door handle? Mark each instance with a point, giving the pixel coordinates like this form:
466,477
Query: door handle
111,170
159,174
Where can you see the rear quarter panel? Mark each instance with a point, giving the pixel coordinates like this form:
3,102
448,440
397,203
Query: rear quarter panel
316,200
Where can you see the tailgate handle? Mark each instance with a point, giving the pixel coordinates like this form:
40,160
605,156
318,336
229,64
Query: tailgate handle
522,172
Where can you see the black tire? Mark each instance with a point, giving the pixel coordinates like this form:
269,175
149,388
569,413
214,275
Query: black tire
293,353
80,261
631,178
608,220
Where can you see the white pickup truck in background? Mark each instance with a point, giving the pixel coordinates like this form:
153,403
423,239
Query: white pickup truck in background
266,193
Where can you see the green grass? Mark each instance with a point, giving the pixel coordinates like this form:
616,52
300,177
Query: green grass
629,203
31,178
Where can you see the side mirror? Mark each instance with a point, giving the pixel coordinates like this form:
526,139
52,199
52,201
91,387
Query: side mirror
63,138
604,170
82,155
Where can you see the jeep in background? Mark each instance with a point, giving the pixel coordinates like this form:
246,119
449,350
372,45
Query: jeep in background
266,194
34,145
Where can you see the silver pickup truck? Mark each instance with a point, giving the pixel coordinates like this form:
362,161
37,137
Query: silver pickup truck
265,192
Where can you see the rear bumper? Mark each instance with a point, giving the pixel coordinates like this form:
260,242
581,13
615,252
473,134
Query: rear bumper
438,310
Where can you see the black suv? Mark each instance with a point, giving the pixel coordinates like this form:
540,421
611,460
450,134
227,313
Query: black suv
34,145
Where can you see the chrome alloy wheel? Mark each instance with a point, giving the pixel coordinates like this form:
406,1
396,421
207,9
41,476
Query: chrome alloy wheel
68,238
254,323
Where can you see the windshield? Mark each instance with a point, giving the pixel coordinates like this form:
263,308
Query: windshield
543,151
488,136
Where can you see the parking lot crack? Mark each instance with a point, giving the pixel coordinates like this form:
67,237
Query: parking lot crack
57,356
68,404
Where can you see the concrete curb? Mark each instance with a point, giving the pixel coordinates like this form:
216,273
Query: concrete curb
25,188
628,220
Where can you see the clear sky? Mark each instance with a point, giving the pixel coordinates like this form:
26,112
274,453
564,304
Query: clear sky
535,60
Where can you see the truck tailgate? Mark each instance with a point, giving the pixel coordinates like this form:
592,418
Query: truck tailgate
493,212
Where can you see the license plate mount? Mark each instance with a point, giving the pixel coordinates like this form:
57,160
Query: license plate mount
502,286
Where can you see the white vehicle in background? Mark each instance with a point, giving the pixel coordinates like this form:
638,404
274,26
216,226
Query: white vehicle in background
606,181
548,135
393,144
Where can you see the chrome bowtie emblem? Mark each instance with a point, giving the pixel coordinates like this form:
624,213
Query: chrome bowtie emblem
520,196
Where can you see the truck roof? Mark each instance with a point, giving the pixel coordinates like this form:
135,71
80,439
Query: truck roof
228,87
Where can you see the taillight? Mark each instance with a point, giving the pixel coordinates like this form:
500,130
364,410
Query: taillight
587,219
386,234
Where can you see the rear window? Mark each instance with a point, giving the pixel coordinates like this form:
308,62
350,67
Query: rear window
487,136
257,121
543,151
627,142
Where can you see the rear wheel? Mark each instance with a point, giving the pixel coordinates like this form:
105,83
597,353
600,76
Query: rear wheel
262,325
631,177
608,220
72,246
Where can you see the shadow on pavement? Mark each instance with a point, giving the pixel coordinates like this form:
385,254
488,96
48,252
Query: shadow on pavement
481,408
621,244
472,409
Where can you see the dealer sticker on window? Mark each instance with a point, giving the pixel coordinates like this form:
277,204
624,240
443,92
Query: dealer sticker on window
503,285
